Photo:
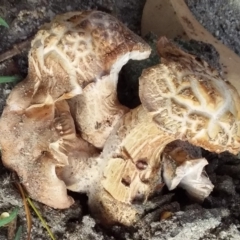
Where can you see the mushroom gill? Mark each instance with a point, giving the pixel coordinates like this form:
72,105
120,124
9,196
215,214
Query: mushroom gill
25,137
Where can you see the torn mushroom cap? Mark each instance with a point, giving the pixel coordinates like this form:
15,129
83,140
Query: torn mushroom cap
183,166
26,143
97,110
189,100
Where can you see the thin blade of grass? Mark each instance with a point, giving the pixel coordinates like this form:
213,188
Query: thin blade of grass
3,23
27,210
11,217
41,218
9,79
18,234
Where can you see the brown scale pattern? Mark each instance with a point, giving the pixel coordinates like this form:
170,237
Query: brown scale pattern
194,100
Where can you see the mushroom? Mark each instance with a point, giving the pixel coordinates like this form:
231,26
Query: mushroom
73,68
77,53
182,99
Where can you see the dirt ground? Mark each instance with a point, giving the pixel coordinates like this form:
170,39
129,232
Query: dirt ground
218,217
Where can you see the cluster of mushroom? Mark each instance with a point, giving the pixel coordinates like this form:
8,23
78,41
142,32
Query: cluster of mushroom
64,128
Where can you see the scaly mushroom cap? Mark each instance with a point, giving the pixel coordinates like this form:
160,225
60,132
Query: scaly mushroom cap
76,51
188,99
72,51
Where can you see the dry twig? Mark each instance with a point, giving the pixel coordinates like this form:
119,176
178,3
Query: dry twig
17,49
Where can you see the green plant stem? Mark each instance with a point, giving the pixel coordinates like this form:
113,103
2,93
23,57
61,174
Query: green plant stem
41,218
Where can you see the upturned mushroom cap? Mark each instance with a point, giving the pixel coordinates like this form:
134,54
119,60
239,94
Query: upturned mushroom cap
24,144
188,99
35,143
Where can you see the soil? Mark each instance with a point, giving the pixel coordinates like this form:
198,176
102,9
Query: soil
218,217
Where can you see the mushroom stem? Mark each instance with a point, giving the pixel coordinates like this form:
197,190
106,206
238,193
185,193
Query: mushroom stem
130,168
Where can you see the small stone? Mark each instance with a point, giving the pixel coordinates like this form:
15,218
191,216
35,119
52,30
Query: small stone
4,215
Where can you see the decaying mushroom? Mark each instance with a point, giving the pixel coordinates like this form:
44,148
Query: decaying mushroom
182,98
77,53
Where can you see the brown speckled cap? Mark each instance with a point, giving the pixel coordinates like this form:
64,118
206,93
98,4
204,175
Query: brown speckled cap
189,100
73,50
